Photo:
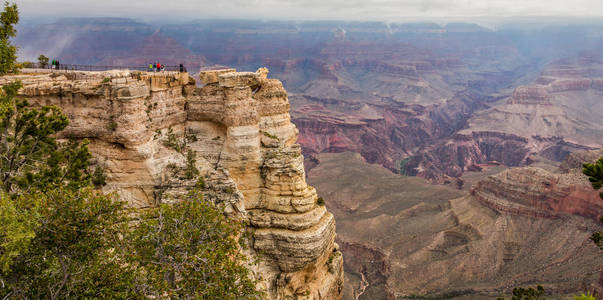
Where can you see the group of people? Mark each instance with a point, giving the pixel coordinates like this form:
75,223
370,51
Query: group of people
54,64
156,67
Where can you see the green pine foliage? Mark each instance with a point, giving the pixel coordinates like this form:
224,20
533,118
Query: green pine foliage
69,237
98,177
31,155
191,170
43,61
190,249
594,171
8,53
520,293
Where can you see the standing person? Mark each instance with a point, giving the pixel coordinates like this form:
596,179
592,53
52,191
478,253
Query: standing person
155,67
181,68
58,65
162,68
150,67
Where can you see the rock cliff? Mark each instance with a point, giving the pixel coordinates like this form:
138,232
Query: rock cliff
535,192
404,237
147,129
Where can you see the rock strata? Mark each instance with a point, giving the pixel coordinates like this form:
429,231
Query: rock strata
141,127
535,192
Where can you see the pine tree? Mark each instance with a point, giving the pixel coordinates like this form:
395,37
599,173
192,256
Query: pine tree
43,61
30,156
8,53
594,172
190,250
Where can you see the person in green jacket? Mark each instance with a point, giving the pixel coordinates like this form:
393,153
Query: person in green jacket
150,67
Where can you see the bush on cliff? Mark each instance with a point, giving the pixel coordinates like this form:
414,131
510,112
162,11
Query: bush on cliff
64,246
30,154
190,249
594,171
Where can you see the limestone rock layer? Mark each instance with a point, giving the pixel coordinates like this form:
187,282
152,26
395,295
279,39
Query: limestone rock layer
144,128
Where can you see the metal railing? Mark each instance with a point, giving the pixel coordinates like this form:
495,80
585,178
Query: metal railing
76,67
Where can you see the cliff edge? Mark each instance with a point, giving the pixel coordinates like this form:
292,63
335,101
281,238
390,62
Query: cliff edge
149,131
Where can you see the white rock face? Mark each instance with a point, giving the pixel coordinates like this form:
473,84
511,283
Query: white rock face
141,126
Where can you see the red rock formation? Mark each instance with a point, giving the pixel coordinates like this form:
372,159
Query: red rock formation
535,192
530,95
575,159
578,84
453,157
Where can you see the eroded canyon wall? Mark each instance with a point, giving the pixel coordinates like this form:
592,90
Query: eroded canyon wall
147,129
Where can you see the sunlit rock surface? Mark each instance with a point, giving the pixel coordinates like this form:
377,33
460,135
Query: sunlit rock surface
141,127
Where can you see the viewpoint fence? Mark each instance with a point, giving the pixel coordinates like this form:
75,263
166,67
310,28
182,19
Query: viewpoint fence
75,67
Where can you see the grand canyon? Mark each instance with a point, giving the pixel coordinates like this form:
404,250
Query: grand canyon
449,155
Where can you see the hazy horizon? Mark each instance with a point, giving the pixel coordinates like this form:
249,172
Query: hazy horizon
487,13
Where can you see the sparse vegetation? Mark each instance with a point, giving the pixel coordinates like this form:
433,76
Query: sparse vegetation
594,171
173,169
191,170
520,293
112,126
98,177
173,142
320,201
174,242
267,134
200,185
43,61
191,137
587,296
106,79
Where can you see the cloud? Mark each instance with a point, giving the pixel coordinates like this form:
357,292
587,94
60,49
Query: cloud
385,10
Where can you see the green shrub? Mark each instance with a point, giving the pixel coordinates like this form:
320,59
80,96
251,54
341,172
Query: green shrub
190,170
189,250
112,126
588,296
98,177
320,201
267,134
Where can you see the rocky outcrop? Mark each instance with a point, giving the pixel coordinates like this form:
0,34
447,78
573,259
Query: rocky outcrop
144,127
538,193
575,159
451,158
403,236
530,95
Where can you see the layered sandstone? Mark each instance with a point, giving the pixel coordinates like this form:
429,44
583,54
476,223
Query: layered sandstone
403,236
539,193
141,126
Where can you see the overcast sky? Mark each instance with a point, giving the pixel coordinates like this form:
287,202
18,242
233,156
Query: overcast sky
384,10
